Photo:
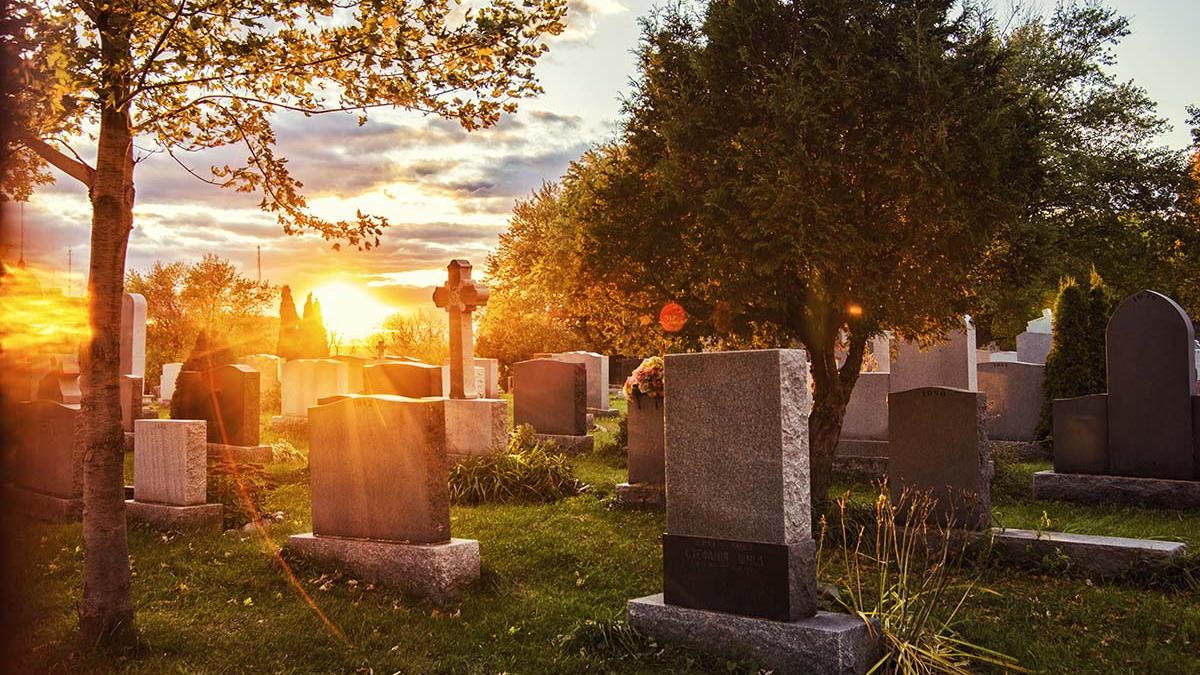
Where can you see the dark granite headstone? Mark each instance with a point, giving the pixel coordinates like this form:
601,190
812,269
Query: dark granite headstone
1151,379
938,445
403,378
647,440
1081,434
47,458
620,368
227,397
739,577
551,396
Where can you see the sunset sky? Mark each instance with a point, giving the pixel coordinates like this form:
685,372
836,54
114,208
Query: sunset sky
447,192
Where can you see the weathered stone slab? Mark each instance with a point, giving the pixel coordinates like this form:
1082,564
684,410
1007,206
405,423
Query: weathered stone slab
403,378
169,465
823,643
131,400
551,396
597,375
1014,396
939,446
355,379
166,383
569,445
268,367
133,335
950,363
379,470
867,412
1151,379
1081,434
1106,556
47,458
647,441
1158,493
1034,347
475,427
439,573
303,381
242,454
642,495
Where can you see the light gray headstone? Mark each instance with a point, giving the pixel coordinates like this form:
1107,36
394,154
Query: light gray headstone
867,412
133,335
597,375
1014,396
950,363
170,464
166,383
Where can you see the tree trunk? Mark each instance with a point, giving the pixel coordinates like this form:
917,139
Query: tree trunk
106,612
832,393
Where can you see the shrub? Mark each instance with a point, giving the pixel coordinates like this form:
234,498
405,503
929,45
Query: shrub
283,451
526,472
242,489
1075,365
908,579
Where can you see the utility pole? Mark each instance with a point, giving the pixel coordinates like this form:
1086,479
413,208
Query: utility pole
69,279
259,263
21,259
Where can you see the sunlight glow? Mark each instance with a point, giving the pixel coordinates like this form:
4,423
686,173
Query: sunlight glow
350,311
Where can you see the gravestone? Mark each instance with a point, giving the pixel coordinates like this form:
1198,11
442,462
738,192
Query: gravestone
646,453
131,401
1151,380
881,351
597,376
491,376
460,297
939,446
1014,396
268,367
551,396
304,381
866,417
227,398
1033,345
403,378
480,375
739,570
354,371
133,335
60,386
950,363
166,383
46,464
1081,434
620,368
170,474
380,495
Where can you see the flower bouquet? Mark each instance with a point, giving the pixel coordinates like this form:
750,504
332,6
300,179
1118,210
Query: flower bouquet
646,380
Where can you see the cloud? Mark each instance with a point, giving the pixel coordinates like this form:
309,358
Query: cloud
581,18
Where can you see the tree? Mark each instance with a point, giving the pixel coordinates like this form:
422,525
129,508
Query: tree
789,171
185,75
1075,365
424,336
183,299
314,339
288,345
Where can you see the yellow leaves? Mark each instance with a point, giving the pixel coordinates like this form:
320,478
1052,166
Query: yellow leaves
390,23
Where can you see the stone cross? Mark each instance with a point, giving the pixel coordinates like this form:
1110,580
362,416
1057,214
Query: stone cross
460,296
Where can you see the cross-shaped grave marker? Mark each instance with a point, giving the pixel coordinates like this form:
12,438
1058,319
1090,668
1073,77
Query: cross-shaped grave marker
460,296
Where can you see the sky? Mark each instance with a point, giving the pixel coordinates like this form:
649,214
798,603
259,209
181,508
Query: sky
447,192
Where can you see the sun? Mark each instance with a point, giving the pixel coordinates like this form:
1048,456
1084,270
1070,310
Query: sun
350,311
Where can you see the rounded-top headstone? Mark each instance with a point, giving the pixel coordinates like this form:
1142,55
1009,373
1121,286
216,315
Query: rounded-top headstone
1151,378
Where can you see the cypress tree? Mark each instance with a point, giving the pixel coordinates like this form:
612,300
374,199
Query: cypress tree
1075,365
315,338
289,346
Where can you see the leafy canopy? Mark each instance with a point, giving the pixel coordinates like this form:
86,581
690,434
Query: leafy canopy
199,74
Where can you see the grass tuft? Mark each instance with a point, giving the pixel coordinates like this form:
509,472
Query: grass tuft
528,471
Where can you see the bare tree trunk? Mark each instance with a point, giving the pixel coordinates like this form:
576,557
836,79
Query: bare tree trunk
106,612
832,393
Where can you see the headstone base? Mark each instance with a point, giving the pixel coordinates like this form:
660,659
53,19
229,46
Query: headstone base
861,466
1159,493
824,643
41,506
604,412
642,496
862,447
253,454
1105,556
436,572
289,424
569,445
475,427
128,441
172,517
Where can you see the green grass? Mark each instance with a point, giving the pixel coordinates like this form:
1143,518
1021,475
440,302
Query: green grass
223,603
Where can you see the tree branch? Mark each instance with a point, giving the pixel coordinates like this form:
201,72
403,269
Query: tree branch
158,46
72,167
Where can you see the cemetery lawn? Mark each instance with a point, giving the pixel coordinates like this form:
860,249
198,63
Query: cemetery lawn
222,603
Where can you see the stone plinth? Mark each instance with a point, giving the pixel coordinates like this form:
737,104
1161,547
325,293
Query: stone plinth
950,363
41,506
475,427
551,396
1014,396
243,454
169,465
867,411
569,445
819,644
172,517
1155,493
647,441
642,495
1105,556
436,572
403,378
939,446
379,470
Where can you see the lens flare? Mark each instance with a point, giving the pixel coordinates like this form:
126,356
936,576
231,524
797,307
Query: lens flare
33,321
672,317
